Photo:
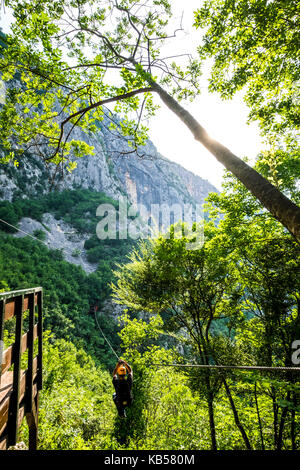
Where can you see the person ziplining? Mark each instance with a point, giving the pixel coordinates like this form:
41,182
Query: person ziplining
123,375
122,381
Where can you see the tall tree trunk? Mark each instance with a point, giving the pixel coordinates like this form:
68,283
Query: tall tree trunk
210,402
282,423
258,417
281,207
275,415
202,348
269,362
236,417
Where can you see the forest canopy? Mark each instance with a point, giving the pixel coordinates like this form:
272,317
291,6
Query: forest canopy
234,301
75,58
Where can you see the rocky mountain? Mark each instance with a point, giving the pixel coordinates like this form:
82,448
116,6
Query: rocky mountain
145,178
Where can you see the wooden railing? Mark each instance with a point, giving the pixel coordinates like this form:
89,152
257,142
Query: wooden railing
20,386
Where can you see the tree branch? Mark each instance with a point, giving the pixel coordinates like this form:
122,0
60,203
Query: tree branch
83,111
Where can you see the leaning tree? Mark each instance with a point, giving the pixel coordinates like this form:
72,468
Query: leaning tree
65,61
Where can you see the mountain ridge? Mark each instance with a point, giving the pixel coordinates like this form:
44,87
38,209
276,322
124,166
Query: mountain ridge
153,179
149,181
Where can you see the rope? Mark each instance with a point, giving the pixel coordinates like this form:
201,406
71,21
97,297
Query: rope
26,233
208,366
41,241
200,366
100,329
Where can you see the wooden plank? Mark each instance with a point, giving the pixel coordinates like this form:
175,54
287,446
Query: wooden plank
15,397
21,415
30,344
4,419
6,384
3,443
35,366
40,340
25,338
10,307
8,353
7,392
7,359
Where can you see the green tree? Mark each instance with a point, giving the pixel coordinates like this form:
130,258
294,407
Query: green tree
75,409
198,287
254,45
63,55
40,234
267,264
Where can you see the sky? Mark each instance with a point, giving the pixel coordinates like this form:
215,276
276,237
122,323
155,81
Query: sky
225,121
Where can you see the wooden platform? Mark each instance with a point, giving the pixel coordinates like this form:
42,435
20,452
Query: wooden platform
6,389
19,389
6,385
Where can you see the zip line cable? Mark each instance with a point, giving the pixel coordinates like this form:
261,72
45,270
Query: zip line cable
200,366
41,241
215,366
26,233
100,329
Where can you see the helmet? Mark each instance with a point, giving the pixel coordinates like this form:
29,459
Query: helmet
122,370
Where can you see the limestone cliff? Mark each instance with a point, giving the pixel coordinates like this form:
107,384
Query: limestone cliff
147,180
150,179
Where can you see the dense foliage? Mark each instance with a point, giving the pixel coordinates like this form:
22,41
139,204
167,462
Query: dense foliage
68,292
233,301
169,409
255,45
246,274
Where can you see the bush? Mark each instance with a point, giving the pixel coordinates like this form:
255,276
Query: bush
9,213
40,234
75,403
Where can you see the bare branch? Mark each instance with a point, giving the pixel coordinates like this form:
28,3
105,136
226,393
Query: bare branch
83,111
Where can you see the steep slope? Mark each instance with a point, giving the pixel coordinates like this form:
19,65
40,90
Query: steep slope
113,171
150,179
